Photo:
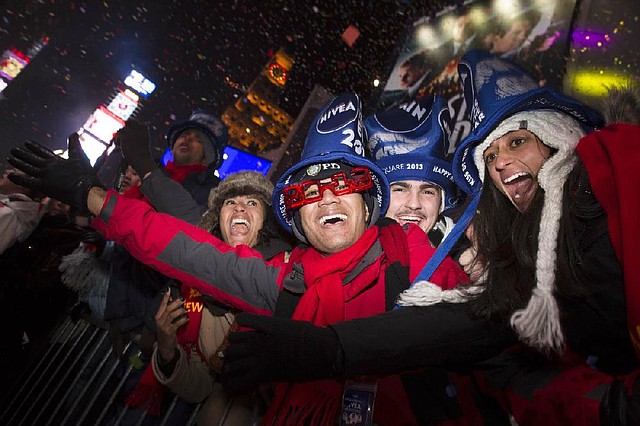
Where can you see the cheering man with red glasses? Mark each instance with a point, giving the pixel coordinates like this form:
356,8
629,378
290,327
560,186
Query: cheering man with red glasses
350,265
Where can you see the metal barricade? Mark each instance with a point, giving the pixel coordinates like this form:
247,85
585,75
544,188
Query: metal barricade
79,380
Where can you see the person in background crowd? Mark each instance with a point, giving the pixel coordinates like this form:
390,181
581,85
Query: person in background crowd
19,211
189,336
87,270
330,201
130,179
534,168
32,297
409,144
196,144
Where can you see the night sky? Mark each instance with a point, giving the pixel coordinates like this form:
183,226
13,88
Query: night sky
199,53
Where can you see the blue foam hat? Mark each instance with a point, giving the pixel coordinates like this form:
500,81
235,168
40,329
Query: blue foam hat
409,142
495,89
211,126
336,135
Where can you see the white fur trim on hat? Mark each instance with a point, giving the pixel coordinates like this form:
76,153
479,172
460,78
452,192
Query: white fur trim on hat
425,293
538,324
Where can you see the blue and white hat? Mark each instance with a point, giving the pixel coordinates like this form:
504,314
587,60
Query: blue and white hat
337,135
208,124
495,89
410,142
502,98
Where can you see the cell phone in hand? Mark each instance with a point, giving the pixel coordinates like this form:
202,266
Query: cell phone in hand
174,295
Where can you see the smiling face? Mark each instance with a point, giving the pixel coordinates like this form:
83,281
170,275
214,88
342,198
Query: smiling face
241,218
334,223
513,162
188,149
414,201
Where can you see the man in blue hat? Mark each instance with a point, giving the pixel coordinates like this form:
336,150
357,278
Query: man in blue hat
409,143
196,145
347,266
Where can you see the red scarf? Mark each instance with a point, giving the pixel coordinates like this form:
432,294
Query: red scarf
135,193
180,173
610,156
177,173
317,403
148,392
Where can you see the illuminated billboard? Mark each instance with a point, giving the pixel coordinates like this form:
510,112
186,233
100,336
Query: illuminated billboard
102,125
124,104
236,160
140,83
91,146
534,34
12,63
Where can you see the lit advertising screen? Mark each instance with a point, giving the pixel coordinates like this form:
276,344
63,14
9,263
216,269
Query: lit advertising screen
103,125
534,34
236,160
91,146
11,64
140,83
123,104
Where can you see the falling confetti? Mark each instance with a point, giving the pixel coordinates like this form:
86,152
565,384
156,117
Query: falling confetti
205,54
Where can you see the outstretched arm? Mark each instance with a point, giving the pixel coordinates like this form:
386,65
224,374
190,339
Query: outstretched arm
280,349
95,200
441,335
238,278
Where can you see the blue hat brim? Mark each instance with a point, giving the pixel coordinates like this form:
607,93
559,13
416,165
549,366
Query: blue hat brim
434,170
382,185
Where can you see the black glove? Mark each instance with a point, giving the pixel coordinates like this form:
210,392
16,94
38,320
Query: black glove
278,350
134,142
96,239
621,406
66,180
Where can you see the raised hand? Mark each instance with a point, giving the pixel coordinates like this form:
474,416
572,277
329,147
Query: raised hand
67,180
134,142
277,349
170,317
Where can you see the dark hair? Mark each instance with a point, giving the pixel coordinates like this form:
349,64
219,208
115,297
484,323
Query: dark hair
508,242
